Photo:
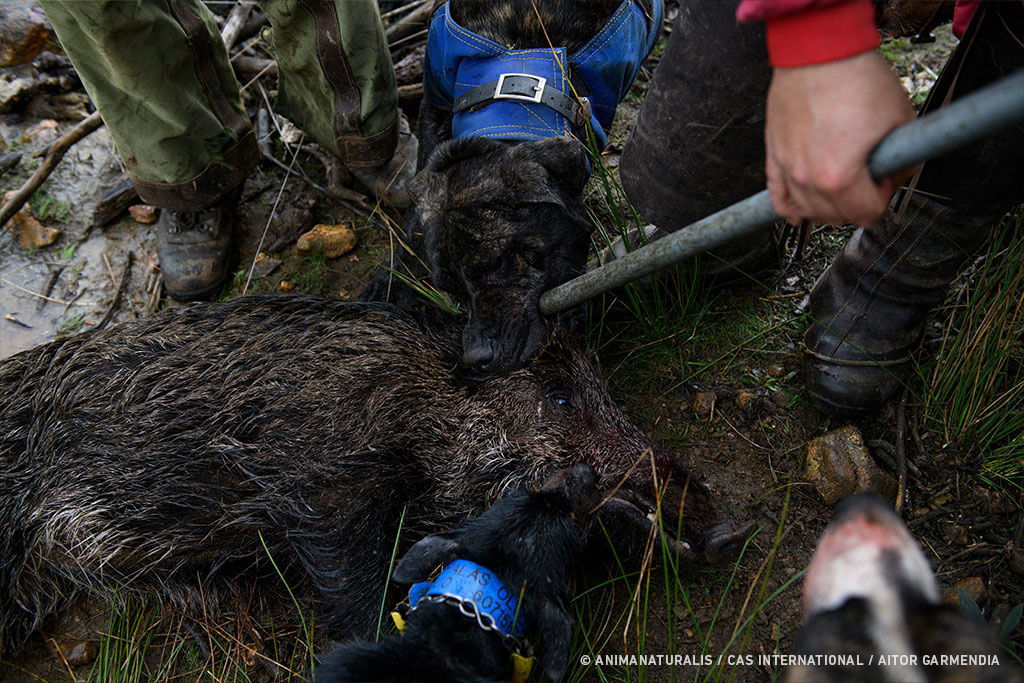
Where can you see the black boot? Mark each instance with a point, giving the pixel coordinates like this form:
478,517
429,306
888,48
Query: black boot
869,308
698,144
196,249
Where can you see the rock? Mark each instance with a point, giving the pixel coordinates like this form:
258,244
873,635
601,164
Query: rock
24,32
747,401
116,200
973,586
143,213
77,652
704,403
1017,560
69,106
31,233
838,464
330,240
264,265
44,132
14,92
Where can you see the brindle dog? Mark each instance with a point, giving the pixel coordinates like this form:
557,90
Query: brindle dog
495,223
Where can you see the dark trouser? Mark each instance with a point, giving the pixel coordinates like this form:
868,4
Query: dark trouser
698,144
869,309
160,77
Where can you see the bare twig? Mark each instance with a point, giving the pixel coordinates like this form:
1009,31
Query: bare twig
413,22
51,281
50,161
29,291
411,7
235,21
119,294
901,451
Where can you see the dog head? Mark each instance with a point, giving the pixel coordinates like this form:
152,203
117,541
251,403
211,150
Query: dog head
869,593
530,541
501,224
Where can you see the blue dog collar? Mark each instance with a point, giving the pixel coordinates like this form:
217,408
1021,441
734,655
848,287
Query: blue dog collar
468,582
532,86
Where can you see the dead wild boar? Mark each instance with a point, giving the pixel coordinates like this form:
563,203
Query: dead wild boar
162,453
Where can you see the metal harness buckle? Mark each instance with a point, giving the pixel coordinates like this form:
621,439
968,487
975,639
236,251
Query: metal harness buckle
538,88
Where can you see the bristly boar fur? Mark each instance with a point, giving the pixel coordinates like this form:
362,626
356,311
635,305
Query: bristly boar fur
530,542
154,455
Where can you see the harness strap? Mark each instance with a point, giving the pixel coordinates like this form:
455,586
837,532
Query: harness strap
525,88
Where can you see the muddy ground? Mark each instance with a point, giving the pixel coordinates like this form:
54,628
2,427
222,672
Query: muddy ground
739,348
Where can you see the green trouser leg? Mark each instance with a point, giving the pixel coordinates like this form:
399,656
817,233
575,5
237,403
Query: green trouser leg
159,74
336,78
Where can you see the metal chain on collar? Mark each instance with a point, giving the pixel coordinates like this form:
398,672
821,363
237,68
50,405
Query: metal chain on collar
485,621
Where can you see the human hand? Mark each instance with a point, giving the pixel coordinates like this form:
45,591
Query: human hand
822,121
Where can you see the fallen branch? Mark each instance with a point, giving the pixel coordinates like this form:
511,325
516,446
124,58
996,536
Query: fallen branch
235,21
53,156
119,294
415,21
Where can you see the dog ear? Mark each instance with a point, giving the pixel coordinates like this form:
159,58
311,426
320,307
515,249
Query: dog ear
565,159
426,556
554,631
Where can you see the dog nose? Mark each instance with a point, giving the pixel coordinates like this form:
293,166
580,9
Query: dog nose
478,356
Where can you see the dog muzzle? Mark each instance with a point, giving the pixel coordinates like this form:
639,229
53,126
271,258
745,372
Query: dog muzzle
531,94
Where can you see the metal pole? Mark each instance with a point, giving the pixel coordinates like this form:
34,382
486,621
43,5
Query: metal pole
956,125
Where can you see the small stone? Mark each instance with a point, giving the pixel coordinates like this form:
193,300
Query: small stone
1017,560
24,32
264,265
776,370
704,403
973,586
330,240
746,400
286,286
44,131
143,213
954,534
838,464
77,652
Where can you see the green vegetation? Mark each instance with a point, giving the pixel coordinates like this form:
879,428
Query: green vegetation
975,383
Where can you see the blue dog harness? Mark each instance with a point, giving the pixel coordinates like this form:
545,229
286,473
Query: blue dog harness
496,92
477,588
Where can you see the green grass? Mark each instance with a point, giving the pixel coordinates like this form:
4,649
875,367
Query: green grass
671,609
975,383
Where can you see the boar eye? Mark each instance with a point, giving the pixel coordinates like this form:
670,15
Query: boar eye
562,400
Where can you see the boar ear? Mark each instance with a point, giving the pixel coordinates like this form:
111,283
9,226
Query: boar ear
426,556
554,631
566,162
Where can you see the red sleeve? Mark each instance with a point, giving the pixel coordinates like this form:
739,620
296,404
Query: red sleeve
804,32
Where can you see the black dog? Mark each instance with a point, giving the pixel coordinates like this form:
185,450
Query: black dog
512,564
498,215
873,607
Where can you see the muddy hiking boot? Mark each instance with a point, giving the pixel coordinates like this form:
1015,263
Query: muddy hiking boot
869,309
389,181
196,249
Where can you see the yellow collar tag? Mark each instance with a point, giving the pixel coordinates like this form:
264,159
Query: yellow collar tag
521,668
399,621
